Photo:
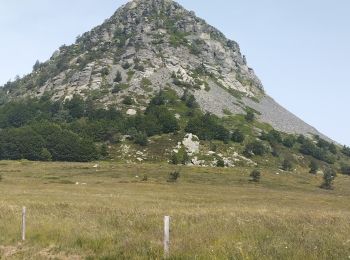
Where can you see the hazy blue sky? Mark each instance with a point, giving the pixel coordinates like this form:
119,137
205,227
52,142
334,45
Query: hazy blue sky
300,49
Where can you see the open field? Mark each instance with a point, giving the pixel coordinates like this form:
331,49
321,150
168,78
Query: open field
216,213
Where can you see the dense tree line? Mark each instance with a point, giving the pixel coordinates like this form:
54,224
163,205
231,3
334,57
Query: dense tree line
45,141
39,129
319,149
322,153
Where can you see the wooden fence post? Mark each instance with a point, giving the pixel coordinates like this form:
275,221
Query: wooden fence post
23,223
166,236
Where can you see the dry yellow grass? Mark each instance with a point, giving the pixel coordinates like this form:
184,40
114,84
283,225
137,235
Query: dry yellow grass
216,213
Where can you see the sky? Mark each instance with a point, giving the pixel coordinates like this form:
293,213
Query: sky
300,49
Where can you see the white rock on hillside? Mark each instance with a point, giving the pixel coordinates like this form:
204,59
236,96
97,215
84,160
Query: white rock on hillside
191,144
131,112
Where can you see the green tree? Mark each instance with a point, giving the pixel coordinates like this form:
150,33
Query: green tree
37,66
273,137
189,100
255,148
328,179
141,139
21,143
207,127
164,118
18,114
45,155
64,145
75,106
332,148
237,136
289,141
181,157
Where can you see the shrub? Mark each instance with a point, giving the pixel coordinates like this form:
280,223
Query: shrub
116,89
313,167
145,177
126,65
207,127
145,82
275,151
289,141
139,67
105,71
130,75
322,154
213,147
128,101
250,116
189,100
237,136
181,157
345,169
173,176
328,179
140,138
255,148
301,139
75,106
272,137
118,78
114,138
287,165
163,119
220,163
255,175
346,151
1,178
104,150
332,148
323,144
158,100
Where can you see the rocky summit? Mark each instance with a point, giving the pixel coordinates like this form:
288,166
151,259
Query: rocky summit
149,45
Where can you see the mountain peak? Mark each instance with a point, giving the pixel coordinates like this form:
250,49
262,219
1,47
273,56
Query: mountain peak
147,46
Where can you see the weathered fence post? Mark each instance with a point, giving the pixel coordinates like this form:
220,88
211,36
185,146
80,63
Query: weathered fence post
23,223
166,236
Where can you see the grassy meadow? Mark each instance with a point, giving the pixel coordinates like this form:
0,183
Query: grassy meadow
76,211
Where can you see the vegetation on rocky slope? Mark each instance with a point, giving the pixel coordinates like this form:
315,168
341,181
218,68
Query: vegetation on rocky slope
80,130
